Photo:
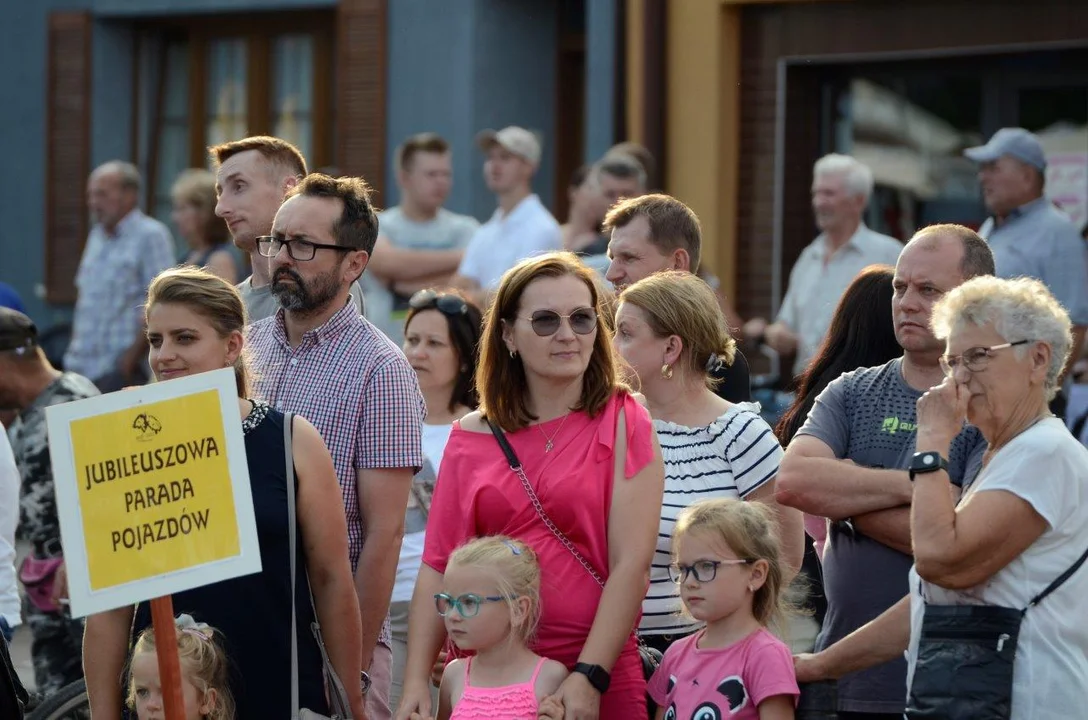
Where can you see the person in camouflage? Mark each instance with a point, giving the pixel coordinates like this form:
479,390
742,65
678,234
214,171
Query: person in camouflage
28,385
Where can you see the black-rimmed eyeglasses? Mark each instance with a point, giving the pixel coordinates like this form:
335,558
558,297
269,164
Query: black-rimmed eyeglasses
302,250
704,570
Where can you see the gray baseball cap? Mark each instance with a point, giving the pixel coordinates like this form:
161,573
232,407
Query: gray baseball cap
1014,142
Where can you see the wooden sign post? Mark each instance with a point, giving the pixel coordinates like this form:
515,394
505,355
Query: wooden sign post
166,647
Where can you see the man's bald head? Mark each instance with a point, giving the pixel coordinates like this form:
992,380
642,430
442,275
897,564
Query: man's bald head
977,257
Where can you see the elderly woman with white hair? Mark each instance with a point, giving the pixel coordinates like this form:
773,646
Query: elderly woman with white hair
993,627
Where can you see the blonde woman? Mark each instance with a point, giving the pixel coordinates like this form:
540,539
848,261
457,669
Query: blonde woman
205,234
672,334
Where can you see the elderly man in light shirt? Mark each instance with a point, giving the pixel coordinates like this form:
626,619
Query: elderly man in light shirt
1028,235
125,250
841,187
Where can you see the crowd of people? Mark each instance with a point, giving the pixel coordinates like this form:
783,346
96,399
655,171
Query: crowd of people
524,465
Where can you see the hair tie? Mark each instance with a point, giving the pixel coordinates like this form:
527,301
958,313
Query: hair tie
713,363
513,548
185,623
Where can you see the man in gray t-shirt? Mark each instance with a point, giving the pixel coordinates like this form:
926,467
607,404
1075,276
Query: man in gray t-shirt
848,462
420,243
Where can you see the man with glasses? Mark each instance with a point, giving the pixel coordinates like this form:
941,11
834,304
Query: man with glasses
252,176
850,461
319,358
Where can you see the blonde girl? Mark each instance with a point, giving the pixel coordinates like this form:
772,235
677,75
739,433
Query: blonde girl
204,683
490,602
726,560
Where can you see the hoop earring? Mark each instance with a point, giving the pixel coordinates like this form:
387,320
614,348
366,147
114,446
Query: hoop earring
513,353
666,371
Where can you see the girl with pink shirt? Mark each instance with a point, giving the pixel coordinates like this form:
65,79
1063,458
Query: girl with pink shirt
491,605
726,561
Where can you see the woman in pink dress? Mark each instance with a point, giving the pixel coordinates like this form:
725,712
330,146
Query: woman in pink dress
547,376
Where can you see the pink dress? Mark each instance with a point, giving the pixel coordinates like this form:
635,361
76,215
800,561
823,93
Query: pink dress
509,702
477,494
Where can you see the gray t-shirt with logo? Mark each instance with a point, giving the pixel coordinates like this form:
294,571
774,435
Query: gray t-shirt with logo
869,416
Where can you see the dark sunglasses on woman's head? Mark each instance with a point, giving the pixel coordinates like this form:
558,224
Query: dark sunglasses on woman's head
446,303
547,322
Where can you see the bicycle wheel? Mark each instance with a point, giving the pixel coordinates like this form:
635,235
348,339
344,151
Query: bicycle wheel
69,703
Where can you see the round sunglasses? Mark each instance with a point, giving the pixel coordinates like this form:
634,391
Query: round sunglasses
445,303
547,322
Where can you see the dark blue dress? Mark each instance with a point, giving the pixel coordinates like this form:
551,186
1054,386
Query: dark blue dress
254,612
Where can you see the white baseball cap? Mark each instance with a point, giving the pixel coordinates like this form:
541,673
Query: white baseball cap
515,139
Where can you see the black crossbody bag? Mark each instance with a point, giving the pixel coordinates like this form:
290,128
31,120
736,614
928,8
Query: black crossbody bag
650,657
966,656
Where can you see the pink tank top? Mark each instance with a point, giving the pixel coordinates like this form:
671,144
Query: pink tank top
509,702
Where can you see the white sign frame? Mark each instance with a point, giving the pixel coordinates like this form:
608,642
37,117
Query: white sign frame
85,601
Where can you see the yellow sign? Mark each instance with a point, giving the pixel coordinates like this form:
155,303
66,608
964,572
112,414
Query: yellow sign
152,491
155,486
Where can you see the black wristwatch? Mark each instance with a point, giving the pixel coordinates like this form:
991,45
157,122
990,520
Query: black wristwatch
598,677
926,462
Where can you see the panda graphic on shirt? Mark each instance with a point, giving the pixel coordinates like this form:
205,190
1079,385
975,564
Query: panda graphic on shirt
728,683
734,699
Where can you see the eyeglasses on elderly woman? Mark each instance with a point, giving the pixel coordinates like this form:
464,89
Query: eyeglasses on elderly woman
974,359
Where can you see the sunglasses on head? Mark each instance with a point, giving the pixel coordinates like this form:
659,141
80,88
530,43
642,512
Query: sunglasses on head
547,322
446,303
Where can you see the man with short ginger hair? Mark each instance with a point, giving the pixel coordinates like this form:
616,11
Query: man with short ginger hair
252,177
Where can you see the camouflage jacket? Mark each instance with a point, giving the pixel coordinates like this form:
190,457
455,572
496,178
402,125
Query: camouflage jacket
30,440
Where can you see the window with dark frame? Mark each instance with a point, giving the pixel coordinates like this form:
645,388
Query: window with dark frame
211,80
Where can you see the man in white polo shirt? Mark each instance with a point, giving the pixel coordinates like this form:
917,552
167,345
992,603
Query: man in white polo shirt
520,227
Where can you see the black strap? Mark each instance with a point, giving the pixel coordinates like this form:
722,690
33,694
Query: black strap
500,436
1059,582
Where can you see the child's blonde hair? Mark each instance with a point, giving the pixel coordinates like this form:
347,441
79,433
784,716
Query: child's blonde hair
203,663
749,530
514,566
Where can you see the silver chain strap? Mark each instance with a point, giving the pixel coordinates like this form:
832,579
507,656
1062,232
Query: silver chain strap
555,530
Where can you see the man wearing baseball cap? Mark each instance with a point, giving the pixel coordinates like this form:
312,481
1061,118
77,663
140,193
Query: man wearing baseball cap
28,385
1029,236
520,227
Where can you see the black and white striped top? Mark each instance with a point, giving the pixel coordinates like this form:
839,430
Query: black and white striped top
729,458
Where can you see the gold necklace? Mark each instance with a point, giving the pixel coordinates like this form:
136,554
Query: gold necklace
551,440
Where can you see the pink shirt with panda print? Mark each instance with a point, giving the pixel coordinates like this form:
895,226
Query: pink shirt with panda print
696,683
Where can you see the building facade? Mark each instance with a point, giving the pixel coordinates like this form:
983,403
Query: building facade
157,81
740,97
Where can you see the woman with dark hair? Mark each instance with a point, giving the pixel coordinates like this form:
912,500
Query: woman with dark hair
441,335
861,334
589,462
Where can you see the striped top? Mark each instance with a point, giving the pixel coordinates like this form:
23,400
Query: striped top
729,458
